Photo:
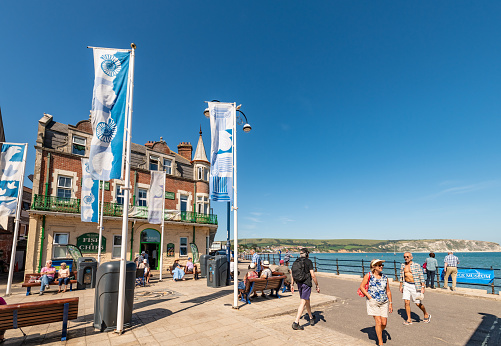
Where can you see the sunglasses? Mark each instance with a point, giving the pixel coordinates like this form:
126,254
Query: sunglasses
380,265
407,256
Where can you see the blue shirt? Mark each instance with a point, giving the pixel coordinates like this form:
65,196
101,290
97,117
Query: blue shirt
257,260
431,264
377,288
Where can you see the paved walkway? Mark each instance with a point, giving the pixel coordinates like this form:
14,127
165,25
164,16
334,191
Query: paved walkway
186,313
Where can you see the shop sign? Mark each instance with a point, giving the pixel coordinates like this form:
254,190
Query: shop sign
106,185
170,195
89,243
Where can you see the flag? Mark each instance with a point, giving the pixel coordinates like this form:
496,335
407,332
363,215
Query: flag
156,197
11,174
89,204
222,116
108,113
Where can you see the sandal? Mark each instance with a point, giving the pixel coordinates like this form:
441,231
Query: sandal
427,320
407,323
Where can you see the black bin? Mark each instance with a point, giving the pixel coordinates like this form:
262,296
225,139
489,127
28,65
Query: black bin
106,296
217,271
203,264
86,273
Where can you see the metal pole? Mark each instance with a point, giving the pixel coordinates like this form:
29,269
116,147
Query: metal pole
100,226
125,220
363,271
395,267
228,243
163,226
492,285
16,227
337,267
438,278
235,208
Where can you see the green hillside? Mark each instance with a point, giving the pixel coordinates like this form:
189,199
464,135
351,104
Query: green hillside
318,245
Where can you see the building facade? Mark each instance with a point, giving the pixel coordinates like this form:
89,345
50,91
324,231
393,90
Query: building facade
55,222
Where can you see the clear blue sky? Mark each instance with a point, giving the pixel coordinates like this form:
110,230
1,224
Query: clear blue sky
370,119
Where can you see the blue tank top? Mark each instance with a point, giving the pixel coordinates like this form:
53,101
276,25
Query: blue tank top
377,288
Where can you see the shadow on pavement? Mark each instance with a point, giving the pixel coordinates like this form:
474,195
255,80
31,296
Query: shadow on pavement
488,331
414,317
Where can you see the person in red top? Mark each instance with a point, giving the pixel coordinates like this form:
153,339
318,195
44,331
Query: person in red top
47,277
250,274
2,332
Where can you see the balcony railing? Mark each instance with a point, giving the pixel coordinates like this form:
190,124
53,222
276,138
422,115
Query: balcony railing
72,205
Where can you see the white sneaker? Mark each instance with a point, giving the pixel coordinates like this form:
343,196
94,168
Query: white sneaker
47,287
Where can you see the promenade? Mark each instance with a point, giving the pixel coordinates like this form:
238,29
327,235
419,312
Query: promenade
190,313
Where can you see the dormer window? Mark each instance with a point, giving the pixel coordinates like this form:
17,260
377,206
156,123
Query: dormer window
168,166
78,146
154,163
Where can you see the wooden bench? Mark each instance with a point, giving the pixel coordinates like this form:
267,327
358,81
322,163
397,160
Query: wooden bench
255,285
190,272
29,284
15,316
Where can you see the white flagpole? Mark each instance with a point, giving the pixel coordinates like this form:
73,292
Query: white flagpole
125,221
235,210
100,225
163,226
16,227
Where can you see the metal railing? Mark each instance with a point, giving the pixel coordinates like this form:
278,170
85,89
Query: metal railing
72,205
361,267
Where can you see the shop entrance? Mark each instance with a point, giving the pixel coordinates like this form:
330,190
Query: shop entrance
150,243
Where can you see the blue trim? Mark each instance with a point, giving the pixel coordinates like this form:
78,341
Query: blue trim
65,321
14,319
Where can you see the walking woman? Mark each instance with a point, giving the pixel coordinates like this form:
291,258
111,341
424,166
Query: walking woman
431,267
378,296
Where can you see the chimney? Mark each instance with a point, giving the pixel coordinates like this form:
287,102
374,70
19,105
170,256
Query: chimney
149,144
185,149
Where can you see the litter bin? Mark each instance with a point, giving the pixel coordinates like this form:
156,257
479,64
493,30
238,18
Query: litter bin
86,273
106,296
203,264
217,271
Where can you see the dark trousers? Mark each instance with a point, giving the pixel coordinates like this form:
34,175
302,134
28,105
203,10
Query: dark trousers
64,280
430,275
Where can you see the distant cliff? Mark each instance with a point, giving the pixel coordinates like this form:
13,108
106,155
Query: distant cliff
442,245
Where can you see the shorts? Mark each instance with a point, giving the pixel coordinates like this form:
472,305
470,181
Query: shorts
375,308
409,291
304,291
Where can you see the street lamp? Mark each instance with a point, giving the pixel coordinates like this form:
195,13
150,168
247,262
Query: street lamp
247,128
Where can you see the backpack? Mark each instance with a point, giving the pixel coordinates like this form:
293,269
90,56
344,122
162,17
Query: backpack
299,270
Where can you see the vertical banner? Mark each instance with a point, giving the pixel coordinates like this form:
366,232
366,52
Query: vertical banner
221,153
108,113
89,205
11,173
156,198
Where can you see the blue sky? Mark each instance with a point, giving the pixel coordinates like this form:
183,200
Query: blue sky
370,119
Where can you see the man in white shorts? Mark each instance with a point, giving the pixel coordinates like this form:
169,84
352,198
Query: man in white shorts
412,285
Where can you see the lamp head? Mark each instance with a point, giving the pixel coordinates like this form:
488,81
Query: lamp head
247,128
207,113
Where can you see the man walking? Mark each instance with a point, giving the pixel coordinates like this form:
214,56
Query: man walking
287,257
412,282
451,269
303,274
256,259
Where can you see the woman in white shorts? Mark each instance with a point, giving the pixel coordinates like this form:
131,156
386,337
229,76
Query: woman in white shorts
378,296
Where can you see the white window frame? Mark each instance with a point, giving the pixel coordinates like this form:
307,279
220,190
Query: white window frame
60,245
64,188
167,168
73,143
203,204
183,246
118,189
181,202
119,247
142,201
153,159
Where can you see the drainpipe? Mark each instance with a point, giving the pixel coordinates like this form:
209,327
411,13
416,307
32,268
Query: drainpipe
134,195
41,243
42,238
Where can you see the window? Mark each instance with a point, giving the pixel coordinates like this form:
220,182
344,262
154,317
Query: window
63,187
183,246
120,195
170,250
59,248
117,246
184,203
206,174
203,173
78,147
153,163
202,205
142,195
168,166
26,205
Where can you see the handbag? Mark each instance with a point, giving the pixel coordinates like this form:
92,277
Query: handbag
359,291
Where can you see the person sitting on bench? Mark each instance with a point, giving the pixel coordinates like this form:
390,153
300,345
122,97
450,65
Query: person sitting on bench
147,271
63,276
283,268
250,275
177,272
47,277
191,268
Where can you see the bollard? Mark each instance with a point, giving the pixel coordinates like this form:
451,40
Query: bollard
363,272
337,267
438,278
395,267
492,285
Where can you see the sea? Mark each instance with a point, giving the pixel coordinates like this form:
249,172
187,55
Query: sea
469,260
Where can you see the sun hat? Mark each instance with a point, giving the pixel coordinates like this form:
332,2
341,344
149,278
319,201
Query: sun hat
376,261
145,261
266,264
252,266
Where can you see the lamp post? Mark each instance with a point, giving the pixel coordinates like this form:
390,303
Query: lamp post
237,119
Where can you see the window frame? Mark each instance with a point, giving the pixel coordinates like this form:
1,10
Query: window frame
181,202
60,245
152,159
119,193
73,144
140,199
64,187
113,246
181,246
169,171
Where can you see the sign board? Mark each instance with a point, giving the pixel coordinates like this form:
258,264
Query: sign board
89,242
472,276
106,185
170,195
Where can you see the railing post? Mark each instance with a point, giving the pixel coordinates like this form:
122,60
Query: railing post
337,267
395,267
363,271
315,264
438,278
492,285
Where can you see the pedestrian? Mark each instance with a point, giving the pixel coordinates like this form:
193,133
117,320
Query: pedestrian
303,274
287,257
379,301
284,270
256,259
431,269
451,269
2,332
412,282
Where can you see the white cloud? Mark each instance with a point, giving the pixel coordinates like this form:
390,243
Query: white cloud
465,189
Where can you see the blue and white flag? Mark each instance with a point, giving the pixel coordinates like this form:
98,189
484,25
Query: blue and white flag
89,203
156,198
108,113
11,172
222,116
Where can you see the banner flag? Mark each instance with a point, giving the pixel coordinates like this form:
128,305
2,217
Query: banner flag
471,276
11,171
156,197
108,113
89,205
222,116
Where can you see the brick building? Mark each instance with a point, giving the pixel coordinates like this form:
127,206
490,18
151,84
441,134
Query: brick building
55,209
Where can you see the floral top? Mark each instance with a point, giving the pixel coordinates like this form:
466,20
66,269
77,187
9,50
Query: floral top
377,288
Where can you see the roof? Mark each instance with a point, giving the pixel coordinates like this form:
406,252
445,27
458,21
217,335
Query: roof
200,152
